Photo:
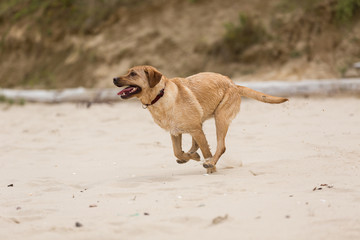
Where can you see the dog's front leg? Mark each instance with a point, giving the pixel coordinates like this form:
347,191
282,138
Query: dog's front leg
177,147
179,153
194,147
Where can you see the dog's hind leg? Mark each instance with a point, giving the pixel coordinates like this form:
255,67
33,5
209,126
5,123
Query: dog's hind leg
225,112
200,139
222,127
179,153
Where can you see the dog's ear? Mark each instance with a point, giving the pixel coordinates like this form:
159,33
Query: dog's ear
153,75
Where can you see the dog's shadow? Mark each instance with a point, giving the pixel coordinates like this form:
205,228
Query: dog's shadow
161,177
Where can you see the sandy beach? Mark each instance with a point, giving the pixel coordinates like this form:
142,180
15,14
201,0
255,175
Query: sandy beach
291,171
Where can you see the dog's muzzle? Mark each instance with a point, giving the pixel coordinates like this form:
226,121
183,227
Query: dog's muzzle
115,80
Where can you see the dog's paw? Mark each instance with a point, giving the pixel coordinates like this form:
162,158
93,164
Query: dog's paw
181,161
211,170
195,156
208,164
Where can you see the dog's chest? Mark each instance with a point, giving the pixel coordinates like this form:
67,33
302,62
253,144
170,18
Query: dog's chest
167,120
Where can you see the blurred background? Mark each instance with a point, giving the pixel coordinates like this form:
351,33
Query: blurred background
62,43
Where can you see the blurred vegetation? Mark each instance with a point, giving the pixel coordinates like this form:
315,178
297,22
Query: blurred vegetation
346,10
47,22
307,17
60,43
243,34
80,16
286,6
4,100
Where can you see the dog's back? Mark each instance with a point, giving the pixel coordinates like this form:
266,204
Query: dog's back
209,89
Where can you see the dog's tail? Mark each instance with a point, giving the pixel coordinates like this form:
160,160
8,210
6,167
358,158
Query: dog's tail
250,93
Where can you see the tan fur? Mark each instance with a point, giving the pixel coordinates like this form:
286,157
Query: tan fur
187,103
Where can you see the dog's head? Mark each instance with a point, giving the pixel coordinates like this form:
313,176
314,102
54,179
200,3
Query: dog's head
136,80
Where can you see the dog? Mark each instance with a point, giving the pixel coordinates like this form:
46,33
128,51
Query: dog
181,105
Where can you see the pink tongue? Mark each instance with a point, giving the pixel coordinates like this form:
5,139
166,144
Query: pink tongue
126,90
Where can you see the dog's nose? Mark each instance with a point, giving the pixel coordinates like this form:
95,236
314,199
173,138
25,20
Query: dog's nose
115,80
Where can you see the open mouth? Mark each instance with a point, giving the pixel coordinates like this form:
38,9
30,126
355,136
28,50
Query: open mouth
129,91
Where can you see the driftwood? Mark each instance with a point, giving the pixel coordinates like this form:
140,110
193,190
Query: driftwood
285,89
65,95
309,87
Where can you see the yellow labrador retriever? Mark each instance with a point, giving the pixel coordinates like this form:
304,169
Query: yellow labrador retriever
181,105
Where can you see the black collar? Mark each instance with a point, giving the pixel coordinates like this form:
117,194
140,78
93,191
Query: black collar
161,93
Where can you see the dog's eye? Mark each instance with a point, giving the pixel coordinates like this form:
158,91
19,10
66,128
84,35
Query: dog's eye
133,74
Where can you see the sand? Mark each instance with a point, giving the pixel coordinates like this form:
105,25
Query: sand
291,171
